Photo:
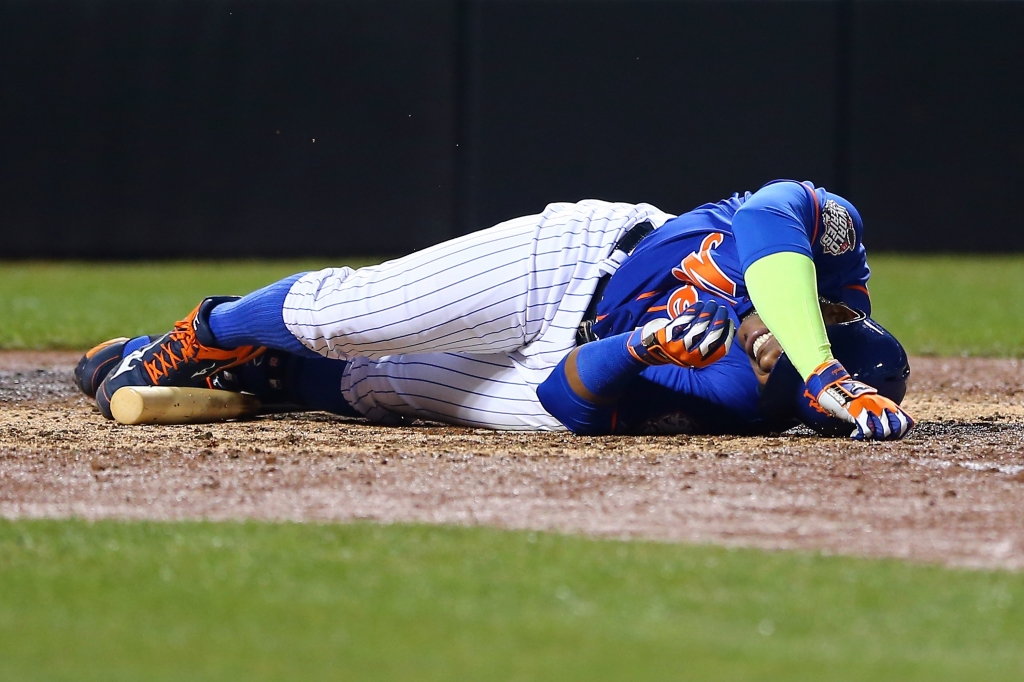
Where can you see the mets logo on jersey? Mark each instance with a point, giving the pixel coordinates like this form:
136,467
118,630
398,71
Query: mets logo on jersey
701,270
837,235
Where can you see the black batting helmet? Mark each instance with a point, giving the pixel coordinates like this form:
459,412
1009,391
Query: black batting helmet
868,352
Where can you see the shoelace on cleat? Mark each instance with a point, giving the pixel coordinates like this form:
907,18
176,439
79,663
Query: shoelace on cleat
182,347
165,359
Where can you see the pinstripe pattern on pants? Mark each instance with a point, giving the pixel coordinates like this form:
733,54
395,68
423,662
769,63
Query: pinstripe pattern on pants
464,331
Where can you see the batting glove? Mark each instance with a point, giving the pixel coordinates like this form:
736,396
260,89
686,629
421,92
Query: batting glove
874,417
697,338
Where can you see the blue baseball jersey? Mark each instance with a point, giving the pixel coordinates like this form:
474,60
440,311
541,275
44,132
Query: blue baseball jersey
703,254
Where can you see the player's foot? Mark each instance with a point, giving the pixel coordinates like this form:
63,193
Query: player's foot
97,362
281,379
264,376
185,356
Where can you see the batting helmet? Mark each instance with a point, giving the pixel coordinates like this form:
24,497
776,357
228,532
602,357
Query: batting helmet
868,352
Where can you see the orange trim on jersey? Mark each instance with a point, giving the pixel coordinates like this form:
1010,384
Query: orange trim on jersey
657,308
647,294
817,211
858,287
599,318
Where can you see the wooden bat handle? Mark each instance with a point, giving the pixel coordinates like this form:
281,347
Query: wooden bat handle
178,405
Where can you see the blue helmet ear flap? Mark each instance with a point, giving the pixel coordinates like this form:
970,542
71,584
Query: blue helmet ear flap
868,352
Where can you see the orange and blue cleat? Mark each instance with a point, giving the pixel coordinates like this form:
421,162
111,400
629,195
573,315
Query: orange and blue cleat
185,356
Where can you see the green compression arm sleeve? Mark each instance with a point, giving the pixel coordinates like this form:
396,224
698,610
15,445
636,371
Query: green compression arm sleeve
784,290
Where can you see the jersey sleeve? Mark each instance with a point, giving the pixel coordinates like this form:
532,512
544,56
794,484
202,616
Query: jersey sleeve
583,389
840,256
599,389
728,384
780,216
788,216
851,287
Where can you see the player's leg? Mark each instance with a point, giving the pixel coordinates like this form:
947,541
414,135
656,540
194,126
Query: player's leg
279,378
483,391
480,391
492,291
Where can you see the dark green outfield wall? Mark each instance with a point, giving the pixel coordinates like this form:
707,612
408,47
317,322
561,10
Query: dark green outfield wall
173,128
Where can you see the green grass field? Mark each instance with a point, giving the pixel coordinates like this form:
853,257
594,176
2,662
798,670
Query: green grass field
144,601
190,601
76,305
941,305
934,305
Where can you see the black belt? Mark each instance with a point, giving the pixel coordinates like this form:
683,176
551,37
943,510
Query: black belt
627,244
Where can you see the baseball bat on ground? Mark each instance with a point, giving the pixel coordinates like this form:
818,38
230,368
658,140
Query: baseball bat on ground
179,405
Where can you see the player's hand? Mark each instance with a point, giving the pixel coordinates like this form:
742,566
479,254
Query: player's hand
874,417
697,338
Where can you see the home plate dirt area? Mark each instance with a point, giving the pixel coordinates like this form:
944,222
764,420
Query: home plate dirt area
952,492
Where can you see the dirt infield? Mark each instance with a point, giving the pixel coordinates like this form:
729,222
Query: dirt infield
953,492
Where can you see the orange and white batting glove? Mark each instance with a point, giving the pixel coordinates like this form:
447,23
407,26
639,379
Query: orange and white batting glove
874,417
697,338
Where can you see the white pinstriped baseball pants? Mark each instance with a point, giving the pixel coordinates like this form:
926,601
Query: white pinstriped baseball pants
463,332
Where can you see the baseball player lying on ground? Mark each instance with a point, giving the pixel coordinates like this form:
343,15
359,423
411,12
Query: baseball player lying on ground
595,317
